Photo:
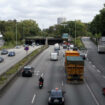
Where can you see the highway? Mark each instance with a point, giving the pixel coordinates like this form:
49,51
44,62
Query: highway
1,42
10,61
25,91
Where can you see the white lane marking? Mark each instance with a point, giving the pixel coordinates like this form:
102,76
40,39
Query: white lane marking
103,76
94,66
90,62
92,93
36,72
98,71
33,99
42,74
62,83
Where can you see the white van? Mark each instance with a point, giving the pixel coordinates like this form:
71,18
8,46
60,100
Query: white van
56,46
53,56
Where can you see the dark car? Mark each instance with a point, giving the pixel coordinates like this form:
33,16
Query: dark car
27,71
56,97
1,59
64,46
75,48
4,52
11,53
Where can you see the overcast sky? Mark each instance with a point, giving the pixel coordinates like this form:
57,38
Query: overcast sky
46,12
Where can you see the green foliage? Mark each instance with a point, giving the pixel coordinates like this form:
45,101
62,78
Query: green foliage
9,36
68,27
97,26
79,43
23,29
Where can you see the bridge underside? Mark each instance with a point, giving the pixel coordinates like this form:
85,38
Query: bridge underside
43,41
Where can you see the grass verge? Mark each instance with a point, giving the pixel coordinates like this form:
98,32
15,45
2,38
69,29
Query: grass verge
8,45
79,43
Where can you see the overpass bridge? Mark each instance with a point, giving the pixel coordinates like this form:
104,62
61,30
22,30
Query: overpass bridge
44,41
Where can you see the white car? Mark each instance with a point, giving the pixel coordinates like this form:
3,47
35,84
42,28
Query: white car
71,46
83,53
54,56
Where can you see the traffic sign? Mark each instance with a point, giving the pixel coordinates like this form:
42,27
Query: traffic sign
26,48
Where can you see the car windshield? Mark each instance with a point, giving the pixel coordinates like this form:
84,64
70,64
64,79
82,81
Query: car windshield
56,94
28,68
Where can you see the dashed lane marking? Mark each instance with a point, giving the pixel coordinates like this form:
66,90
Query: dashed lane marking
97,103
33,99
90,62
62,83
103,76
98,71
94,66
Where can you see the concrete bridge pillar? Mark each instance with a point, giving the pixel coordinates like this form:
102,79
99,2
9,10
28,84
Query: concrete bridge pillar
46,41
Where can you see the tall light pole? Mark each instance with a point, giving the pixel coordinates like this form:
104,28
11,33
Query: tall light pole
16,33
75,32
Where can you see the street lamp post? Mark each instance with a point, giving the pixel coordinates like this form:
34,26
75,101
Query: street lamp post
75,32
16,33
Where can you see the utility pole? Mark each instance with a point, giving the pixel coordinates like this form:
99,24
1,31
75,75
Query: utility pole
75,32
16,33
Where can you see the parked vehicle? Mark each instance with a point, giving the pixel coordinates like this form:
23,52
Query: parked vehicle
74,67
4,52
11,53
27,71
1,59
56,97
54,56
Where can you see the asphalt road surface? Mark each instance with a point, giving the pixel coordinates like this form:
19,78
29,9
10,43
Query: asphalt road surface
25,91
10,61
1,42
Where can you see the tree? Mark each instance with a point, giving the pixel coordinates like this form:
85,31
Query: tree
98,23
9,36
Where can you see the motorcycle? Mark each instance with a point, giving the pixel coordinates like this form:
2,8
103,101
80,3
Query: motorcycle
40,85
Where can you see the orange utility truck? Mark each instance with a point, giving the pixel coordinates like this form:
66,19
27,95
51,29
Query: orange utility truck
74,67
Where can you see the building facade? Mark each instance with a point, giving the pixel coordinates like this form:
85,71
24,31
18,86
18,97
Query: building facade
61,20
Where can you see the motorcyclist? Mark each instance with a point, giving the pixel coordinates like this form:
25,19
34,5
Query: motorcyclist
41,79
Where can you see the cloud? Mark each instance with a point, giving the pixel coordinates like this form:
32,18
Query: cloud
46,12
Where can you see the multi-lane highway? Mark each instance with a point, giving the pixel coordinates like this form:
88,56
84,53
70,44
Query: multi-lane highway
10,61
25,91
1,42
